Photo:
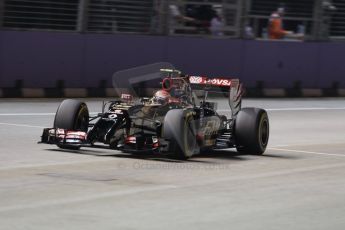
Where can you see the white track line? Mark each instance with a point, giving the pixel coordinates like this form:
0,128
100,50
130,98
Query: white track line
304,109
279,146
310,152
294,145
35,114
27,114
292,109
23,125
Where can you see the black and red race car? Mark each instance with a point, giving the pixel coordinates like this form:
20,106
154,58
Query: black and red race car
173,121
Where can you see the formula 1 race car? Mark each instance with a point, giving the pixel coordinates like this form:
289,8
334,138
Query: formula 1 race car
173,121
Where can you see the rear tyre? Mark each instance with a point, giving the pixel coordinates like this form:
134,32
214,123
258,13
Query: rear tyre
252,131
179,129
72,115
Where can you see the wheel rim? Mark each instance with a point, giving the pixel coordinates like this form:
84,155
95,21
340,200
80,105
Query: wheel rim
82,120
264,132
82,123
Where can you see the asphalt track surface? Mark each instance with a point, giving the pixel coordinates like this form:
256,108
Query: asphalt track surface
298,184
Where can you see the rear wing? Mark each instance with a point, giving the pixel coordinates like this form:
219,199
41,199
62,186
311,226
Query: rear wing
205,81
231,86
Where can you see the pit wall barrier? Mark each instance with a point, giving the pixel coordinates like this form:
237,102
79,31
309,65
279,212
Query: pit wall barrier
53,64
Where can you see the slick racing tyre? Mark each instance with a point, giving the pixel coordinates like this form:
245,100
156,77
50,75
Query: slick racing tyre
179,129
72,115
251,131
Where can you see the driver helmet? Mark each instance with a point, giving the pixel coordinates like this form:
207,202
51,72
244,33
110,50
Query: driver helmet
161,97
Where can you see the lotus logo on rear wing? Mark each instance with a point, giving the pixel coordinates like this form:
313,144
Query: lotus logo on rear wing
199,80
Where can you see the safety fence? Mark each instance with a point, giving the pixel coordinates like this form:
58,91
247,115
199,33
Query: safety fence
33,14
119,16
107,16
316,19
337,23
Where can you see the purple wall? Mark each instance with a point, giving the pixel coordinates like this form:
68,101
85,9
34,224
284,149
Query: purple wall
82,60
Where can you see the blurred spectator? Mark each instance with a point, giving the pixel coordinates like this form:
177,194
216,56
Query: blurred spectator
156,17
176,17
328,5
217,26
204,15
248,32
275,26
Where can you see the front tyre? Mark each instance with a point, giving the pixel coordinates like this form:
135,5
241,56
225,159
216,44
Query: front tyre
251,131
72,115
179,129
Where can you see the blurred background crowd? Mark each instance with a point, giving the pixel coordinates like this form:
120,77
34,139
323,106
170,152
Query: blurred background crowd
248,19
